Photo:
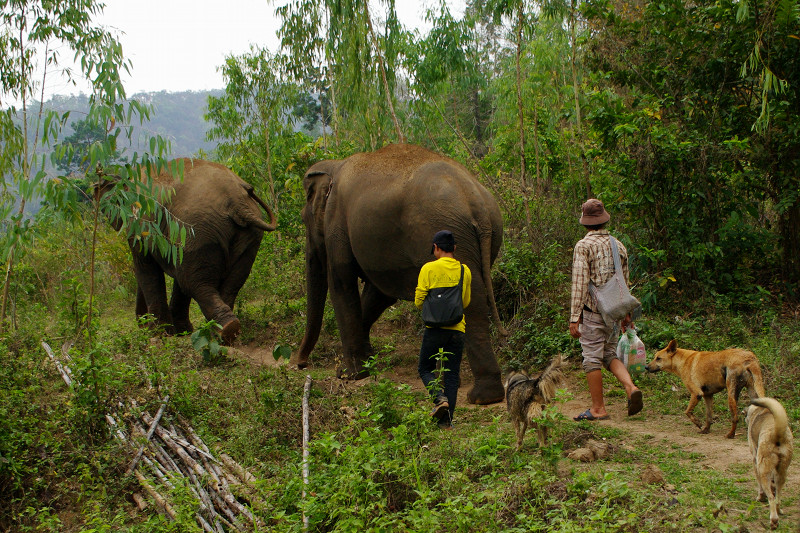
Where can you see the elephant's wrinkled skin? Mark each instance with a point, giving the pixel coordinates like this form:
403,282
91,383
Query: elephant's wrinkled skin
372,216
224,230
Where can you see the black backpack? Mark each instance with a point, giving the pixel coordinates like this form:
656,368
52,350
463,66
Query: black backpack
443,306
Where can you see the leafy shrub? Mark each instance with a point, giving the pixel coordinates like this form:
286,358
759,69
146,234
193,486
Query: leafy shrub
205,340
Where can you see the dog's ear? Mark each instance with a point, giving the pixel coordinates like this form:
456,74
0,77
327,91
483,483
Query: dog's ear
672,347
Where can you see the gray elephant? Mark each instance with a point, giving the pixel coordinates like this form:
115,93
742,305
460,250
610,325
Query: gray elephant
372,216
224,231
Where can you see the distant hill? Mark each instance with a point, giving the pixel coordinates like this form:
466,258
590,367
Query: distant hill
176,116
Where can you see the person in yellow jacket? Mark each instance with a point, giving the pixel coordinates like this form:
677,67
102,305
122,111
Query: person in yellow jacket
445,271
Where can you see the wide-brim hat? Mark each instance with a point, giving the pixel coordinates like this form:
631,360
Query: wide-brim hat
593,213
445,240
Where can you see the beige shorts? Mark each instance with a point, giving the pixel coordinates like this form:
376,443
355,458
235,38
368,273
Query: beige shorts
598,349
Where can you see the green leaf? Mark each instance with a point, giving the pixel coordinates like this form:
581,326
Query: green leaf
282,351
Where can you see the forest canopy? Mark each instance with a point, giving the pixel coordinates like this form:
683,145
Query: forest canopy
683,117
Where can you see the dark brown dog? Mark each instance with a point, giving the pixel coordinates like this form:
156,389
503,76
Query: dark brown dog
527,396
707,373
771,444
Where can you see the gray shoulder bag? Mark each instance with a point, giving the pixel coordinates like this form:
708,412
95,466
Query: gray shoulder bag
614,300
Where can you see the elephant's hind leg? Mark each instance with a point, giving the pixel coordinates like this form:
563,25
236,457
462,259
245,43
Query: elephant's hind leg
141,302
347,308
488,385
373,304
179,307
152,292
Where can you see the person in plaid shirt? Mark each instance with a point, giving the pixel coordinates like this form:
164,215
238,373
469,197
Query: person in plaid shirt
592,260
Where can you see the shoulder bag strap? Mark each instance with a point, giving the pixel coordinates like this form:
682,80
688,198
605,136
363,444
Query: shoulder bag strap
615,253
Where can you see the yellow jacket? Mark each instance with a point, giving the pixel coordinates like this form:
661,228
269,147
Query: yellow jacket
444,272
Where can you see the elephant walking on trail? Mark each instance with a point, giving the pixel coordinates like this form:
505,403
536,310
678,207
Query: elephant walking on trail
371,216
225,227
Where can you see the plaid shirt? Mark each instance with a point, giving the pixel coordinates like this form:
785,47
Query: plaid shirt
593,261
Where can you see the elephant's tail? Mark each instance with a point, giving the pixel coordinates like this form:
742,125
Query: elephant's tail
486,266
257,221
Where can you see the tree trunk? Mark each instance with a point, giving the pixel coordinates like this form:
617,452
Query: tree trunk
267,135
401,138
521,116
790,237
573,23
334,108
539,181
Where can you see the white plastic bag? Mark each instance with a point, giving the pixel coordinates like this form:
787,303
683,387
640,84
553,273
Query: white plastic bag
631,351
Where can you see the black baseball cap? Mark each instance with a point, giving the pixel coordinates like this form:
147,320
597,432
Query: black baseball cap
445,240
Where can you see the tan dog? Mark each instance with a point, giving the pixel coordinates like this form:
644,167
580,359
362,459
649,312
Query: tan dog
526,398
771,444
707,373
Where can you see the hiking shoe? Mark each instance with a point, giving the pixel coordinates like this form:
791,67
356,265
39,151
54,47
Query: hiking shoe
441,410
444,424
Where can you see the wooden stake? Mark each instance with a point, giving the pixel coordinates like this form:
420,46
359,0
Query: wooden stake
306,393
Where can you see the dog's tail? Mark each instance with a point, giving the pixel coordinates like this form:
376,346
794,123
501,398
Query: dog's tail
551,378
778,413
757,381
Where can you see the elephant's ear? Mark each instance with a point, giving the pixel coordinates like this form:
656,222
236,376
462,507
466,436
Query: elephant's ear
316,182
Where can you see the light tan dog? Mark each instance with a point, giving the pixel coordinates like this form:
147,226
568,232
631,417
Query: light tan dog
707,373
527,396
771,444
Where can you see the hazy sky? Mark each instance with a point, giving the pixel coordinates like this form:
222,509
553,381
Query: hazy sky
177,45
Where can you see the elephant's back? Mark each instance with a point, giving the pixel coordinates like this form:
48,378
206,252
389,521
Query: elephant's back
197,173
390,161
210,198
412,172
399,197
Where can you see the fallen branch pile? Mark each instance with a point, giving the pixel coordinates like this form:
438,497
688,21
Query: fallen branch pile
166,456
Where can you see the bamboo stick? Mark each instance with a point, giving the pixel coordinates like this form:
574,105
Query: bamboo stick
141,503
193,465
196,441
161,454
205,525
179,439
149,435
162,477
237,469
160,501
229,514
66,374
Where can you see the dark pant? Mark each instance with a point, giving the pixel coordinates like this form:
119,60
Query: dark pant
452,343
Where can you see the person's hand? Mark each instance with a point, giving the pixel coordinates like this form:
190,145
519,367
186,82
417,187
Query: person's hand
573,330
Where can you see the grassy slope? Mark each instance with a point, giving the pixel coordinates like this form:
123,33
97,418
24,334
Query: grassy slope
378,463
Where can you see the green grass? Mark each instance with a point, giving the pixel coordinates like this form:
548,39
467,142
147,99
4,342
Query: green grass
377,462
